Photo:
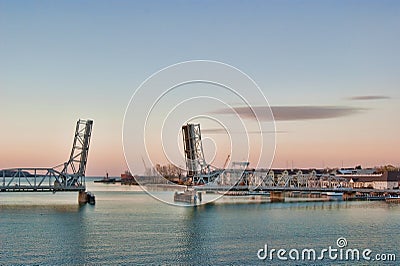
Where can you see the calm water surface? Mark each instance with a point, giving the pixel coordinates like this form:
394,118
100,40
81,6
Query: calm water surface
126,226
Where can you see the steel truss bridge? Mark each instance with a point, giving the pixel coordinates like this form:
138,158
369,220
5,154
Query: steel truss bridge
268,181
271,178
68,176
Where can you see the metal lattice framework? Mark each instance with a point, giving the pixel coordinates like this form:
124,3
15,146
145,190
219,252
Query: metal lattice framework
265,179
71,177
198,172
75,168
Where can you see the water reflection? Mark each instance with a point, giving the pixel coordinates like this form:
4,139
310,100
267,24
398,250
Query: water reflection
244,228
43,234
130,227
42,209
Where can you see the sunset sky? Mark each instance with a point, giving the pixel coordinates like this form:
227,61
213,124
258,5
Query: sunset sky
329,69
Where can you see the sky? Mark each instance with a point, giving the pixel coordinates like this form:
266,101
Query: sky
330,71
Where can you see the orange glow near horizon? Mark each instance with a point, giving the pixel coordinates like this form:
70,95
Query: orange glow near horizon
303,149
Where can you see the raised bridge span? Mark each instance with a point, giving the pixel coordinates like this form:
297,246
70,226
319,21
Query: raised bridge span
68,176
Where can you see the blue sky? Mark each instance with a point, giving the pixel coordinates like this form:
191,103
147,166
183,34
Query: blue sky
61,60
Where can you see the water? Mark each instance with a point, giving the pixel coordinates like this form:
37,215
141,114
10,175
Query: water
126,226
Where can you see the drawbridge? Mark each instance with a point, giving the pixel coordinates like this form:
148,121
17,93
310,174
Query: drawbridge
242,180
68,176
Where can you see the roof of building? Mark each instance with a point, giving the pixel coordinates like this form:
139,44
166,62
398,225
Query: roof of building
367,178
392,176
354,171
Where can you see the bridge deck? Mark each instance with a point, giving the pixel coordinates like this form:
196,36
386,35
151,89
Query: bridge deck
40,189
39,180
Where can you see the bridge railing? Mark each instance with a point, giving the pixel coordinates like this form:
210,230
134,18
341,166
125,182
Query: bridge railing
37,179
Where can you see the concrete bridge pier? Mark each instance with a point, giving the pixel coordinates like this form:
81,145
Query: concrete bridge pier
86,197
277,196
82,197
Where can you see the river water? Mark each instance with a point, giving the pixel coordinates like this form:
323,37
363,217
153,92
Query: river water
128,227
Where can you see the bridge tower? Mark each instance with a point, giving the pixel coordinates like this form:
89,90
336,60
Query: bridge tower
75,167
196,166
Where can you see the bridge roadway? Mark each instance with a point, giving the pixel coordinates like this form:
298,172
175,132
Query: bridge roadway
27,188
39,180
304,189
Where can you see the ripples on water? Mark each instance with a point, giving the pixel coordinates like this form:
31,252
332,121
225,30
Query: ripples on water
126,226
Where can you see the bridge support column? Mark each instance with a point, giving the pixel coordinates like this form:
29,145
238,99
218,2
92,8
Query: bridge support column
82,197
86,197
277,196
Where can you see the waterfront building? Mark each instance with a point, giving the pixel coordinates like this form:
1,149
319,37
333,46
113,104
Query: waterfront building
385,180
